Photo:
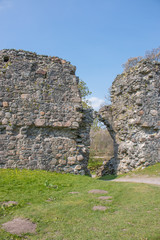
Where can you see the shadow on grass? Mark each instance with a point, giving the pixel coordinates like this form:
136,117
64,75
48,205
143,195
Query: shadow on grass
108,177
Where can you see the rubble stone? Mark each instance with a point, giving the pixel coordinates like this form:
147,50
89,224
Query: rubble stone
41,114
133,118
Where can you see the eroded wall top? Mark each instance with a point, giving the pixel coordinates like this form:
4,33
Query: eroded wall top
38,86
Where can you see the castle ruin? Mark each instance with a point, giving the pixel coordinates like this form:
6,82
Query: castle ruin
44,126
133,118
42,122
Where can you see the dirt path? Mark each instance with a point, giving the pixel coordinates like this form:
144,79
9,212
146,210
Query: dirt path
139,179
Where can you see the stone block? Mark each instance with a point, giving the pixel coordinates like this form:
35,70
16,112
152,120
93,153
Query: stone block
71,160
5,104
1,113
60,147
80,158
146,125
8,115
67,124
42,113
63,61
62,162
72,150
25,96
41,72
75,124
57,124
154,112
5,121
141,113
53,162
58,155
11,146
39,122
78,167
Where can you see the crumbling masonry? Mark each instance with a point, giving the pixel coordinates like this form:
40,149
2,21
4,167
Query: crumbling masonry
43,124
133,118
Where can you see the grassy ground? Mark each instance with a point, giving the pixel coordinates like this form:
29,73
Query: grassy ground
132,215
94,164
153,171
96,159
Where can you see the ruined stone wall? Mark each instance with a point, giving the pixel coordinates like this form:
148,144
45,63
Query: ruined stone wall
133,119
42,123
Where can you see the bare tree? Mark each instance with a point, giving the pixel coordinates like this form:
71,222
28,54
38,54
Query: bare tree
131,62
153,55
101,142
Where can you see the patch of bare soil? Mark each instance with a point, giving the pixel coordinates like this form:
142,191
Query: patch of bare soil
19,226
139,179
73,192
98,191
9,203
99,208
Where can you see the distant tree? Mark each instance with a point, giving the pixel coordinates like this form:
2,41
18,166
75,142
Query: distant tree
101,142
97,125
85,92
108,96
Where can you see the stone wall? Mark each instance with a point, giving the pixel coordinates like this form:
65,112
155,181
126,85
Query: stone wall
42,122
133,118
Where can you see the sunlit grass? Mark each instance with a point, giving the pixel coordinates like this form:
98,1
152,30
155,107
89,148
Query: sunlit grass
153,170
44,198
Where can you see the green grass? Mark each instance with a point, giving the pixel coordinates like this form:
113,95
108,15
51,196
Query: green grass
153,171
96,160
150,171
132,215
94,164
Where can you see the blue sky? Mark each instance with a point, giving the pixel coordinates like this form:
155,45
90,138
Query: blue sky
97,36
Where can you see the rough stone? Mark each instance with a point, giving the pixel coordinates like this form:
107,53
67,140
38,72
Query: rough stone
74,192
78,167
154,112
41,108
19,226
4,121
25,96
10,203
39,122
132,119
99,208
5,104
80,158
98,191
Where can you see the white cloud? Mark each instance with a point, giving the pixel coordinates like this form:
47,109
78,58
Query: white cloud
96,102
4,4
